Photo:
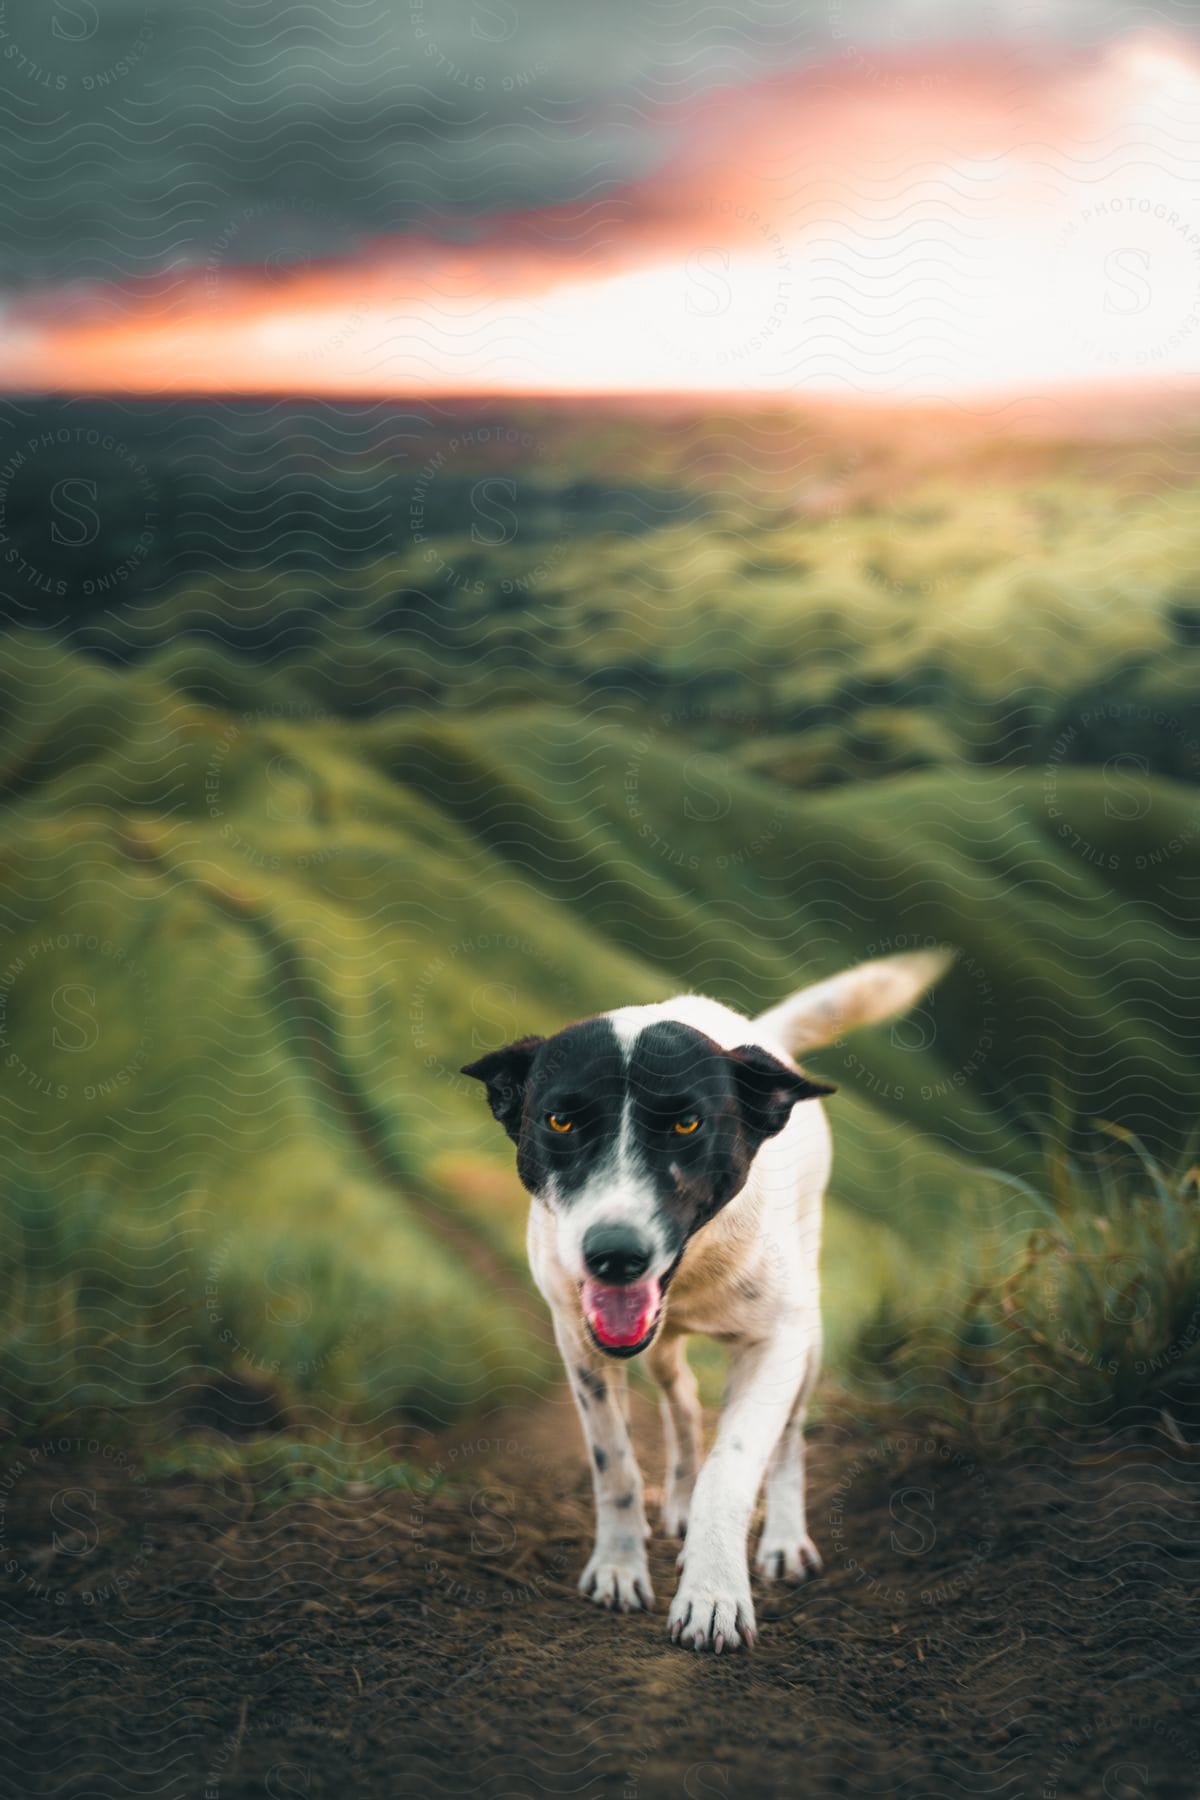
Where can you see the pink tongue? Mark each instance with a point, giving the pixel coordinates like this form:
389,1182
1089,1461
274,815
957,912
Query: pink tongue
621,1316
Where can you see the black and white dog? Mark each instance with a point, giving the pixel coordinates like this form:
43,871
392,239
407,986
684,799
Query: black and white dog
677,1187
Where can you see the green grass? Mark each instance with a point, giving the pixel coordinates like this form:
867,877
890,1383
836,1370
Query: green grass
1091,1324
282,1469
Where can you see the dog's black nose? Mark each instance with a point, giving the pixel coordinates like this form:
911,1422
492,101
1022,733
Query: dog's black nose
615,1253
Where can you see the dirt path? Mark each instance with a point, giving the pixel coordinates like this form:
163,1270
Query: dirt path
1022,1629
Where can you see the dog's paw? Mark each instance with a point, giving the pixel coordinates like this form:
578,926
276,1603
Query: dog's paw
713,1614
787,1558
618,1579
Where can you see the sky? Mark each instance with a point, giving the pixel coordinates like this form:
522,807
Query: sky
404,196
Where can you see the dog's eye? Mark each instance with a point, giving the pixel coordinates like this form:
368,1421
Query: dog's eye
685,1127
556,1122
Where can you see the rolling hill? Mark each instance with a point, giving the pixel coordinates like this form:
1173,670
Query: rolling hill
247,956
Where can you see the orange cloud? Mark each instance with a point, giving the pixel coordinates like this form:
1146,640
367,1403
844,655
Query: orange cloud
906,226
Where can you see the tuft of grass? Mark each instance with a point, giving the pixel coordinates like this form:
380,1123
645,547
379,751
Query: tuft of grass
1094,1325
281,1468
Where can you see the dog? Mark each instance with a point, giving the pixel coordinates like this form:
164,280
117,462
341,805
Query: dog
677,1157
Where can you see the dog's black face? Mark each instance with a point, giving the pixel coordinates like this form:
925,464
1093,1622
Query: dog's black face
636,1139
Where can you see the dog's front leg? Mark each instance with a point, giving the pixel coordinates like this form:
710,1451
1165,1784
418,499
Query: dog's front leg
668,1364
713,1605
617,1575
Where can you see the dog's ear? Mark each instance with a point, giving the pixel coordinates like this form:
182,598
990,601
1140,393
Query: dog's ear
505,1073
767,1089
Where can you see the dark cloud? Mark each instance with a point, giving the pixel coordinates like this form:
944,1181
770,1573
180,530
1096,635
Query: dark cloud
148,134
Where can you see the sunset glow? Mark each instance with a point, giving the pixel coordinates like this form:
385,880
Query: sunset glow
994,226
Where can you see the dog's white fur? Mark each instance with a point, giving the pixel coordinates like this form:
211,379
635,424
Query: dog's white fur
750,1278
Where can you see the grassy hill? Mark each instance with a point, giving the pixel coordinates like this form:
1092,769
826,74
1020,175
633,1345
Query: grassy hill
195,985
281,852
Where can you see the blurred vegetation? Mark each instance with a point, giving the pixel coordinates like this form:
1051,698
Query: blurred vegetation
735,703
1096,1327
334,1465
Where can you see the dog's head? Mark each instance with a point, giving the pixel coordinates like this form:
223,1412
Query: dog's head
635,1140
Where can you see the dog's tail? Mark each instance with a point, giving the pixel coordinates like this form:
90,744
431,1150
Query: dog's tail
860,996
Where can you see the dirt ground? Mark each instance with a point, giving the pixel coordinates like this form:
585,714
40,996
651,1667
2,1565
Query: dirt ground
1022,1628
